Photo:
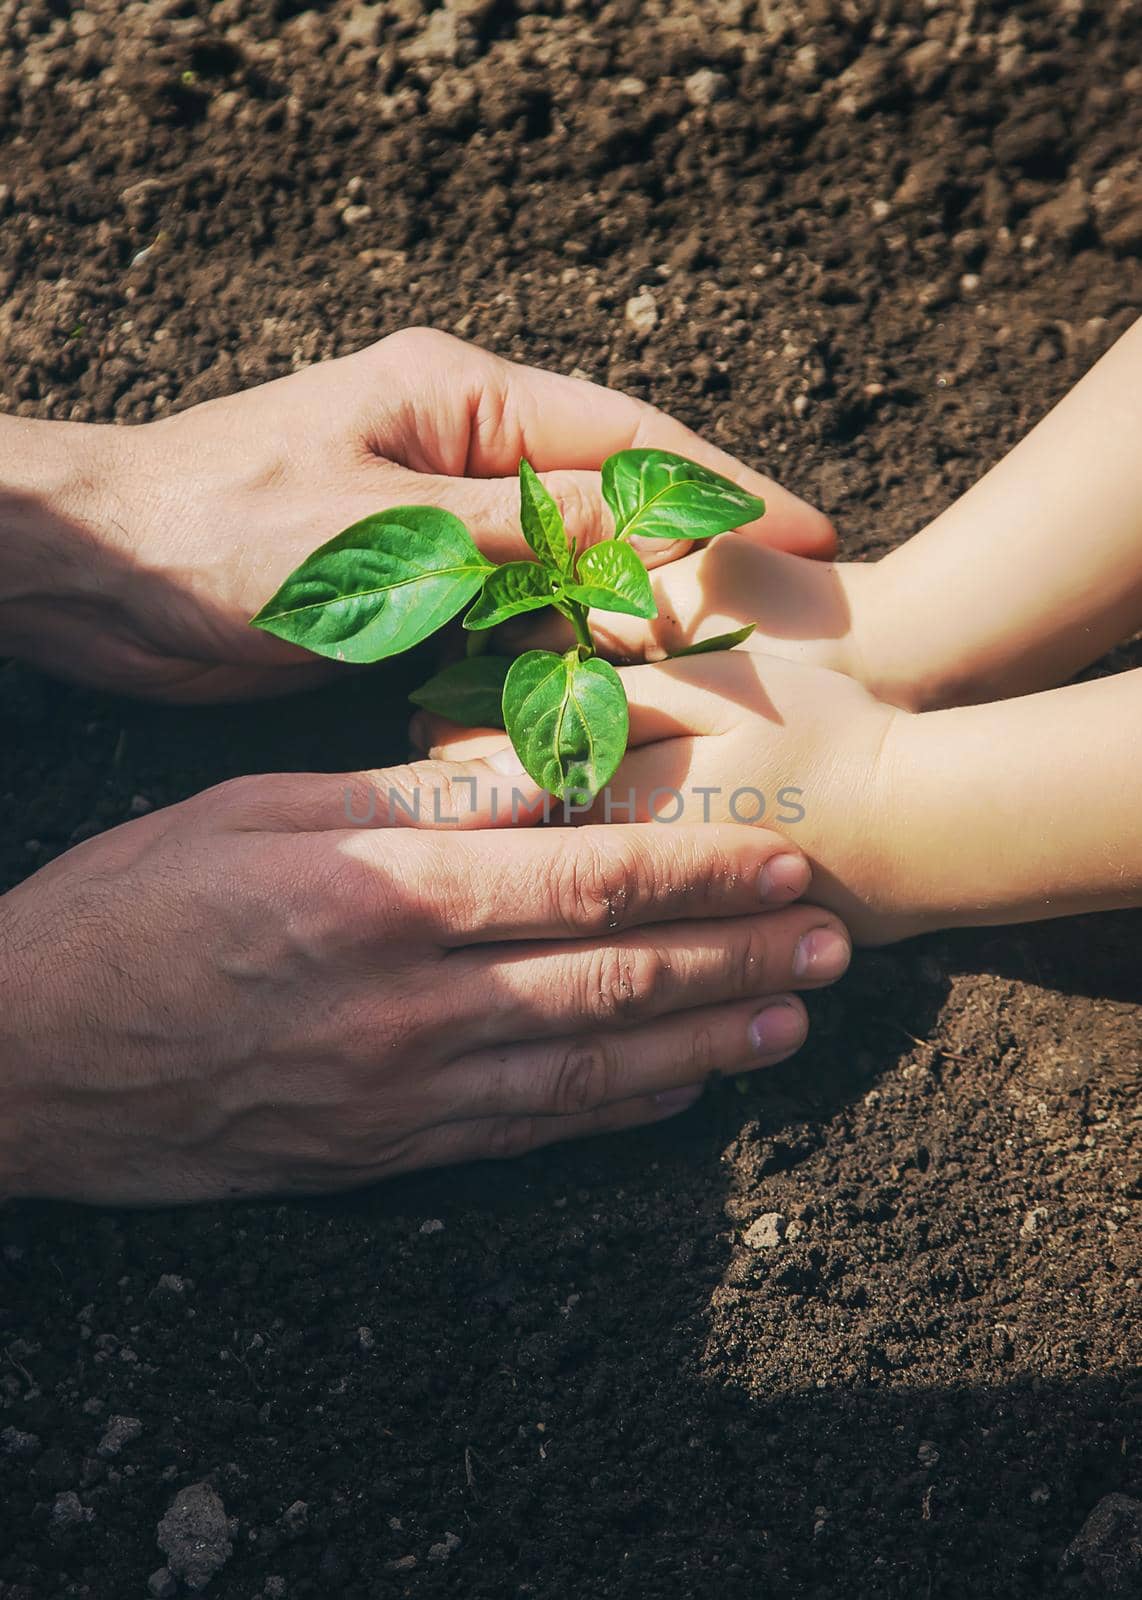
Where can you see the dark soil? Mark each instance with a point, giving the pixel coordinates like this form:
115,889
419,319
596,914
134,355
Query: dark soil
925,221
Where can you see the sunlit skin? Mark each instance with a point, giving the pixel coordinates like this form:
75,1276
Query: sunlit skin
134,557
254,991
946,779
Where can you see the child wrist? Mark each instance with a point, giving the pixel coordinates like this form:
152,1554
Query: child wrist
885,655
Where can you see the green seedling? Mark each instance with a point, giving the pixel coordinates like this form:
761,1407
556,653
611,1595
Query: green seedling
393,579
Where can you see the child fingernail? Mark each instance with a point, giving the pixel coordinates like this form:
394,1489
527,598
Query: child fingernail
506,761
822,955
672,1100
779,1029
783,878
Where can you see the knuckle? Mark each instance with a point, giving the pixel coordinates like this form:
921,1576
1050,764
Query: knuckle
582,1078
246,800
749,960
400,797
423,794
454,797
318,896
622,985
511,1137
595,888
419,340
702,1053
495,396
357,893
579,509
654,423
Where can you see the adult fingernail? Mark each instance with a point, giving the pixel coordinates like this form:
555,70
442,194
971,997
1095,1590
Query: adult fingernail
783,878
778,1029
506,761
822,954
672,1100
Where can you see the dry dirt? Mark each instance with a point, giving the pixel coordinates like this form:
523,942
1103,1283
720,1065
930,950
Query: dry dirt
881,239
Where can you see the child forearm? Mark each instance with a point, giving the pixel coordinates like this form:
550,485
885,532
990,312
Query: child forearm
1021,810
1032,574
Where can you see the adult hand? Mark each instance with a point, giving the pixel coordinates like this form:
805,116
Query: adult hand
161,541
247,992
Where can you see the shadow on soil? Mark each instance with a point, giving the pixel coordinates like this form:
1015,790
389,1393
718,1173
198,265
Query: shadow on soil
584,1375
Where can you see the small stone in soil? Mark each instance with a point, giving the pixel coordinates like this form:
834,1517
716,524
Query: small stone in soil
765,1232
442,1551
119,1431
296,1516
1118,205
924,65
642,312
194,1535
705,86
162,1584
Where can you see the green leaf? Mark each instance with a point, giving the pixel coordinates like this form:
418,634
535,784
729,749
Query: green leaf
517,587
611,577
720,641
380,587
469,692
568,721
541,521
658,495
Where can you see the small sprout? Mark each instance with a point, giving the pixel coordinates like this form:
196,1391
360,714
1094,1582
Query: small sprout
394,579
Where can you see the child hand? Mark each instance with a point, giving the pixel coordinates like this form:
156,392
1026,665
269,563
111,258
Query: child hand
814,612
750,738
1029,577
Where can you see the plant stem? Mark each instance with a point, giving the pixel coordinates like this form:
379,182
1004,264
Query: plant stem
578,615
